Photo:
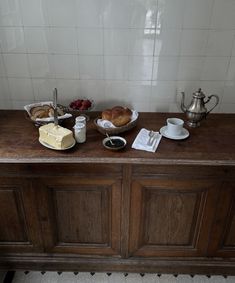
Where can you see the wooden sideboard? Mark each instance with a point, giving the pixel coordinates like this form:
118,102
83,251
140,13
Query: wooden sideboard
90,209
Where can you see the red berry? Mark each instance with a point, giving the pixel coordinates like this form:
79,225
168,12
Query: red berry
82,108
86,103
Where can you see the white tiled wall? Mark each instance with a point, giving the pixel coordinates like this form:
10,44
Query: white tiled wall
139,53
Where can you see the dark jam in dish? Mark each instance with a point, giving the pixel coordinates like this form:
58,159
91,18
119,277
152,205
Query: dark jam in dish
116,143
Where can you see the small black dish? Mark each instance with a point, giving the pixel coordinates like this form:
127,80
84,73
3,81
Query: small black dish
118,143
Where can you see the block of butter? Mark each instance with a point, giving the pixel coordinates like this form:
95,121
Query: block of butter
56,136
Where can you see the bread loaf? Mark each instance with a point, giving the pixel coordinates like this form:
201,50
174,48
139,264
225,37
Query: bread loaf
118,115
43,111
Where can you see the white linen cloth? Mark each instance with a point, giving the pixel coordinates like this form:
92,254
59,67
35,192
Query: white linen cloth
141,141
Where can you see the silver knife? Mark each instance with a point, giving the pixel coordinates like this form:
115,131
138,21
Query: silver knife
55,107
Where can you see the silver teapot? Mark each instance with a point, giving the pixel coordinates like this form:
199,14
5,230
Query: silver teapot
197,111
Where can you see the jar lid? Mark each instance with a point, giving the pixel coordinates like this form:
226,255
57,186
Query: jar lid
80,119
79,126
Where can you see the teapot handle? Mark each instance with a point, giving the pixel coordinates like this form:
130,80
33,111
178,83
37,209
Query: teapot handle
216,103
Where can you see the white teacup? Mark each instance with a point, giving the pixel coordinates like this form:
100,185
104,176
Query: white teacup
174,126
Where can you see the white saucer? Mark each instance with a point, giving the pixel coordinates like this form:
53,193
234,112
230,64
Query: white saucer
184,134
52,147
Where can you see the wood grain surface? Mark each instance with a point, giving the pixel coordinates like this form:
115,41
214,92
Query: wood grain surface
212,143
91,209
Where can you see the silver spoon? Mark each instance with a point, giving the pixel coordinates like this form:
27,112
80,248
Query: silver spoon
109,139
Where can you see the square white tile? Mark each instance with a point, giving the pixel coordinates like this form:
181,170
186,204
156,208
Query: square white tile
116,92
233,50
65,66
197,14
116,14
5,104
62,40
193,42
167,42
227,108
116,67
220,43
36,39
190,68
68,90
163,92
61,13
19,105
12,40
43,89
223,14
91,67
141,42
136,92
94,90
4,90
16,65
40,66
90,41
89,13
21,89
215,68
165,68
116,41
231,70
170,14
2,67
10,13
143,14
229,92
140,68
34,12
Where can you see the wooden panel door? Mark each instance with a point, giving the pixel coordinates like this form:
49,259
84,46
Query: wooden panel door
171,217
19,225
81,216
222,242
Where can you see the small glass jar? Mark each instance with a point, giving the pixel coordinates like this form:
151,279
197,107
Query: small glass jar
80,132
80,119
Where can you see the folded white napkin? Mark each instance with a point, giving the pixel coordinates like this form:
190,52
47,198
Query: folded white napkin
141,141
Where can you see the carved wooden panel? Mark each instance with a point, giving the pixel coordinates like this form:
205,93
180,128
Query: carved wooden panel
80,215
12,217
174,212
171,218
83,215
19,226
222,241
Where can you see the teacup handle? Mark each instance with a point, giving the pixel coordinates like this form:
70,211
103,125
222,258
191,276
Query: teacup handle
216,102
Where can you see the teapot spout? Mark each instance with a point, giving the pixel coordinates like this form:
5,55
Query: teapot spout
183,108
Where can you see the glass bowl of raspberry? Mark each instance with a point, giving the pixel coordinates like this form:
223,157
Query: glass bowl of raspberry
81,105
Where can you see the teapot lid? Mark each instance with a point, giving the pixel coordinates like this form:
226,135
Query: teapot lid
199,94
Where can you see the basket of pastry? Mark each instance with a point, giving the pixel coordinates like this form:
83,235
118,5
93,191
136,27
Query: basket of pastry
42,113
116,120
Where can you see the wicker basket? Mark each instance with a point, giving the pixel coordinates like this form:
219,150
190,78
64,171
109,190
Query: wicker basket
117,130
41,123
